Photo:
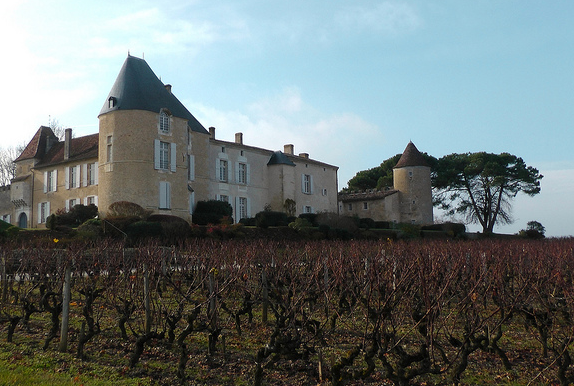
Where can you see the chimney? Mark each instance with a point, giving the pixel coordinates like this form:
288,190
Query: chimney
239,138
168,88
212,132
67,143
304,155
289,149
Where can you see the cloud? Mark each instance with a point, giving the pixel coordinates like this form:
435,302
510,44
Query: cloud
285,118
391,18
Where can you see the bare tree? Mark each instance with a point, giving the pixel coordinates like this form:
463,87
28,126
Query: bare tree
7,166
57,128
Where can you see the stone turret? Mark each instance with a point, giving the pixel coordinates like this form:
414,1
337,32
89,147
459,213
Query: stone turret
412,178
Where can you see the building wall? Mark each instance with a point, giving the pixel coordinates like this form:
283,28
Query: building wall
385,208
6,207
414,185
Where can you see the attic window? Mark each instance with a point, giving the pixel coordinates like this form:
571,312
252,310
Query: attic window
163,122
112,102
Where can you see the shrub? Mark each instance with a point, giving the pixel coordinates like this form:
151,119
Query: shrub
249,222
211,212
144,229
128,209
300,224
269,218
311,217
366,223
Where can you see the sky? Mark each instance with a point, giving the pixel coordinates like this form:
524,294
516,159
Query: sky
349,82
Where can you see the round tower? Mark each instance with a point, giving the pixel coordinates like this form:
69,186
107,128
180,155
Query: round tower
412,178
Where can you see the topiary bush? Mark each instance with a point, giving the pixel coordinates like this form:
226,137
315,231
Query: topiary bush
268,218
211,212
127,209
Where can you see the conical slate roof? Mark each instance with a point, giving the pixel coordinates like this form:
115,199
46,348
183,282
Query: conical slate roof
411,157
138,88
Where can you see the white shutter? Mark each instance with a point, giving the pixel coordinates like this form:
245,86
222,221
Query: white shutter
248,209
236,210
55,181
77,173
84,174
45,182
96,200
191,166
229,172
191,202
67,176
237,172
96,171
173,154
164,195
311,184
67,205
156,154
47,209
248,174
39,213
303,183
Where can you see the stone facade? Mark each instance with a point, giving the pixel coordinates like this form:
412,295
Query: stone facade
151,151
409,201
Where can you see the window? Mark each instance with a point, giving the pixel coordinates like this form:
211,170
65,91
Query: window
164,156
50,181
242,207
365,205
91,174
350,206
43,212
191,202
324,191
164,122
223,170
91,200
222,197
72,177
307,209
241,173
164,195
307,183
71,203
109,149
111,102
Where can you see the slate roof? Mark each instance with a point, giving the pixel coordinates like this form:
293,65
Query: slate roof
411,157
138,88
279,158
36,148
81,148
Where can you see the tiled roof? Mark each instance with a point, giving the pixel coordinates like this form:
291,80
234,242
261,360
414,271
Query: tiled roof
81,148
411,157
365,196
138,88
36,148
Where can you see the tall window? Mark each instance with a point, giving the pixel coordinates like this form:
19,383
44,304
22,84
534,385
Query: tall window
222,197
50,181
71,203
92,174
242,207
241,173
164,122
223,170
307,184
91,200
73,180
164,155
43,212
109,149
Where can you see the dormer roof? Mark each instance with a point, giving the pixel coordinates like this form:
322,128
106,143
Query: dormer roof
279,158
411,157
39,144
138,88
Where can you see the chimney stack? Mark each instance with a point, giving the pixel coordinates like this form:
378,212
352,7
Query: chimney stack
289,149
212,132
304,155
168,88
67,143
239,138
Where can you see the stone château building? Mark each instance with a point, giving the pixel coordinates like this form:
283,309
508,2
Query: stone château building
409,201
151,150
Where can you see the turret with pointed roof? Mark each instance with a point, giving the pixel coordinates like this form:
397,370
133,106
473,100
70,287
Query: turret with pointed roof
138,88
411,157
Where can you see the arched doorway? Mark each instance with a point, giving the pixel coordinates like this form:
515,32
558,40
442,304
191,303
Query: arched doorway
23,220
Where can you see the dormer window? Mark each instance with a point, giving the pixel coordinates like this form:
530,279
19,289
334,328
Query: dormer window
163,122
112,102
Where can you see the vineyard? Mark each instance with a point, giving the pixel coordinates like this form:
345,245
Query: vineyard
260,312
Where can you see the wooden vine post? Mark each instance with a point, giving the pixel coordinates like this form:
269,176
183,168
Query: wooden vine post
147,300
66,295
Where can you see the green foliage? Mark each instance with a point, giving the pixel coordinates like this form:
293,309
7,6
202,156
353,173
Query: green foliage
376,178
128,209
290,207
300,224
534,230
211,212
4,225
144,229
482,185
311,217
267,219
